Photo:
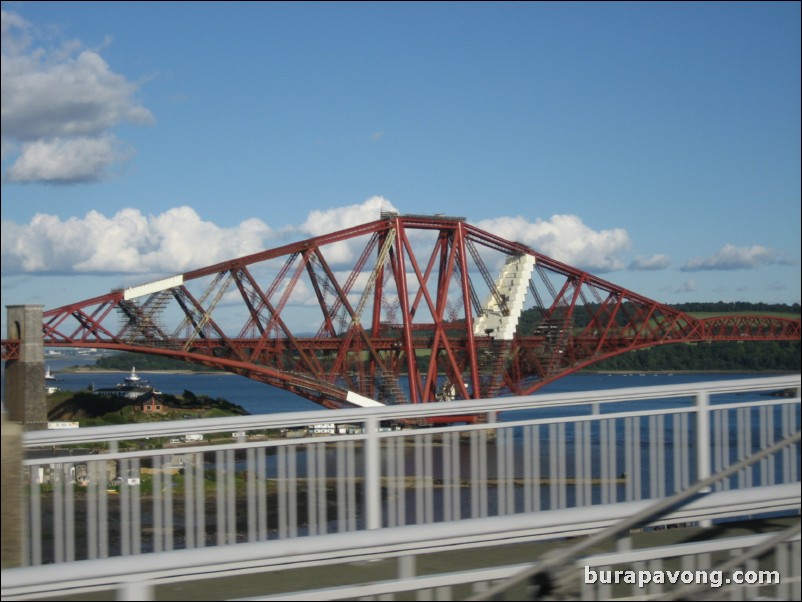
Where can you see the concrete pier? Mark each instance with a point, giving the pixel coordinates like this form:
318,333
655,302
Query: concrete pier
25,377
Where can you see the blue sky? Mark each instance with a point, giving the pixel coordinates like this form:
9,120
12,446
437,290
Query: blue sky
657,145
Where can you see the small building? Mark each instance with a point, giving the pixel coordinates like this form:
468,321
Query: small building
151,404
326,428
145,399
330,428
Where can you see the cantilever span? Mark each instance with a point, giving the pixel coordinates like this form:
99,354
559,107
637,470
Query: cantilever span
405,309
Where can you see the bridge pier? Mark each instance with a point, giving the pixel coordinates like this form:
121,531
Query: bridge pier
25,409
25,377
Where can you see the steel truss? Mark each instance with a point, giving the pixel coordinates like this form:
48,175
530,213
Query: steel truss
396,324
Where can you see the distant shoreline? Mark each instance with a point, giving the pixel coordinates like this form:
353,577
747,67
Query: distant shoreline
95,370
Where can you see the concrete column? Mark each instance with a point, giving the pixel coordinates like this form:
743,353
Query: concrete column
25,377
13,509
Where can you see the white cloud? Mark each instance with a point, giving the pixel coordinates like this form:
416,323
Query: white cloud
66,160
12,22
565,238
730,257
178,240
128,242
326,221
59,105
653,263
339,218
172,242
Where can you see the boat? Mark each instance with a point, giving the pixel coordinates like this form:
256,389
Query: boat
133,379
133,386
49,375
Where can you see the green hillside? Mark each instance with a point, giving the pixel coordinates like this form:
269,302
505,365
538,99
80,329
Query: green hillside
90,409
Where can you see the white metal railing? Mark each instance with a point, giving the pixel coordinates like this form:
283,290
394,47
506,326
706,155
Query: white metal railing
549,575
127,490
137,577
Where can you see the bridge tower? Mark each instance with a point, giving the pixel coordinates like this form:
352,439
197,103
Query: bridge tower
25,375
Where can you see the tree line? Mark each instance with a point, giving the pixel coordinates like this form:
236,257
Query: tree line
717,356
724,356
582,314
143,362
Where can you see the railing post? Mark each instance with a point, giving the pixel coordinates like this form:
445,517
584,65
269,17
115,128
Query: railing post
135,590
372,474
703,443
702,435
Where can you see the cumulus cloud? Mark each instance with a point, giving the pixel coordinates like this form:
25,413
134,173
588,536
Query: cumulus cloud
325,221
565,238
59,106
128,242
66,160
730,257
174,241
179,240
653,263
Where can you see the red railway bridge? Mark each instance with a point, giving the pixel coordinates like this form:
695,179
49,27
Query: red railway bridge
405,309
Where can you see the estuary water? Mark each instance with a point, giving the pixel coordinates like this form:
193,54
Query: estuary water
258,398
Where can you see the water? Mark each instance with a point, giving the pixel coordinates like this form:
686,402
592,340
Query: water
254,397
258,398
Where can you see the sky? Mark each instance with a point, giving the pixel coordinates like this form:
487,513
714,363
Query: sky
654,144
